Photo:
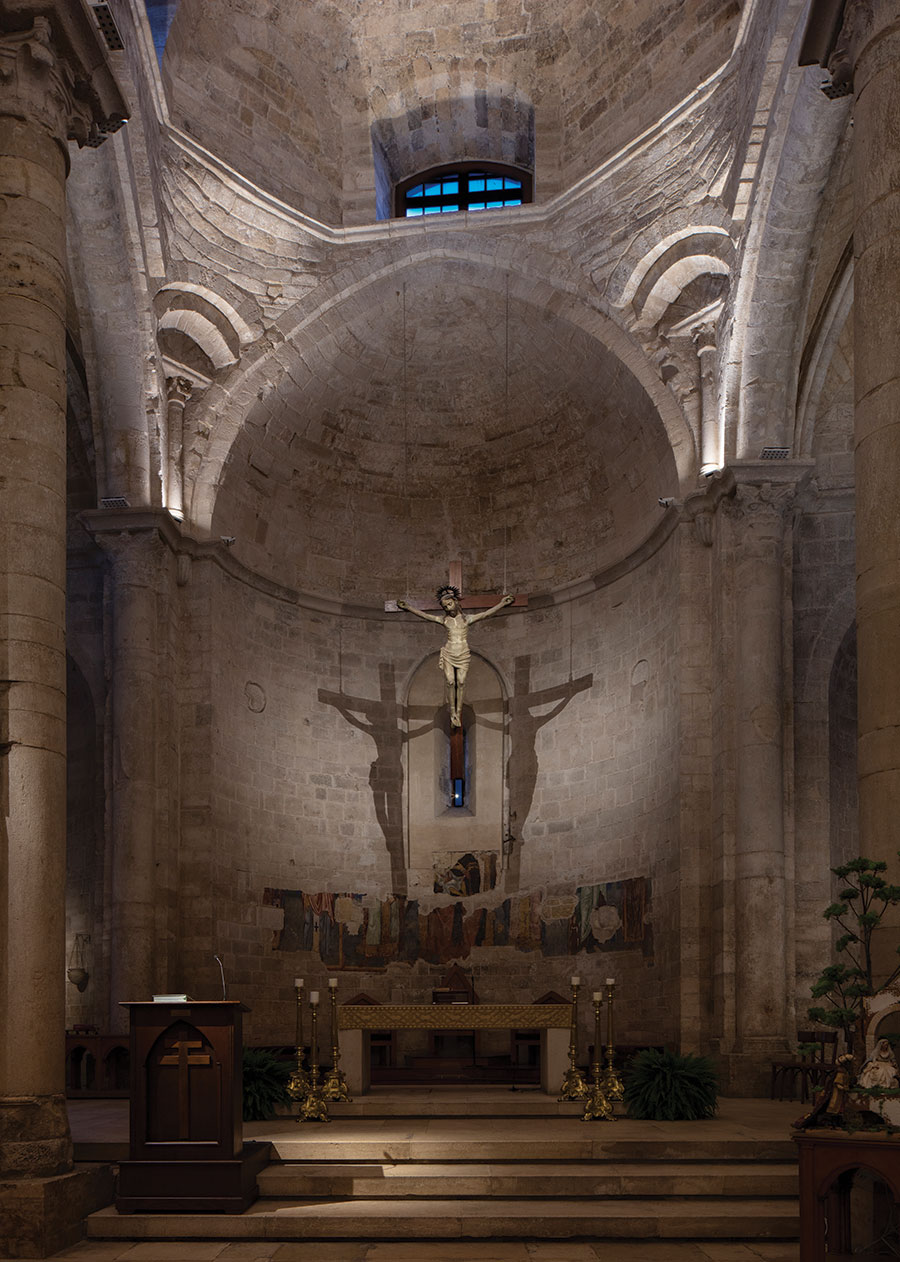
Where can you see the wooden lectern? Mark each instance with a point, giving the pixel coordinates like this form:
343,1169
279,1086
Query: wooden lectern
187,1151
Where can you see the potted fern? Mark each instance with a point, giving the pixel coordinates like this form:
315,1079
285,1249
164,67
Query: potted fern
265,1083
665,1086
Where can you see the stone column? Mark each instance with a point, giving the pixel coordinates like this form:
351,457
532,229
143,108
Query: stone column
178,391
762,968
54,85
710,444
872,37
135,600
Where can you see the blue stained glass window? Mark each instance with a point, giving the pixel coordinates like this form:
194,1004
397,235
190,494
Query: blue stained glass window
450,190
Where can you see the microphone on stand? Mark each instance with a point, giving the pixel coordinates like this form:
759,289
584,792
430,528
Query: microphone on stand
222,971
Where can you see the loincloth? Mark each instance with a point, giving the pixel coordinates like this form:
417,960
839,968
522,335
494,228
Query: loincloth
454,658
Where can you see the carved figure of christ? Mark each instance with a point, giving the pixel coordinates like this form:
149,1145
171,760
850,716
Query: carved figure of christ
455,656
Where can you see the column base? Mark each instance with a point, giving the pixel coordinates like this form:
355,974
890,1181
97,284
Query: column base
35,1142
748,1072
41,1216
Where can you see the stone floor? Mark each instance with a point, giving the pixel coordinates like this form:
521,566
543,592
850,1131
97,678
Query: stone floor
432,1251
395,1122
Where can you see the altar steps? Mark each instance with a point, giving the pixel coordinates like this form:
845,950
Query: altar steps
652,1180
467,1218
464,1197
449,1165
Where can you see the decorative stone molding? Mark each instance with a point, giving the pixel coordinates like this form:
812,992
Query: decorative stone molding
700,507
50,75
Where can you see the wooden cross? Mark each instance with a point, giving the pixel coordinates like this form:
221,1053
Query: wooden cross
478,600
183,1055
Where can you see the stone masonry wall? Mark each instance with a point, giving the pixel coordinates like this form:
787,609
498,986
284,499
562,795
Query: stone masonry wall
299,871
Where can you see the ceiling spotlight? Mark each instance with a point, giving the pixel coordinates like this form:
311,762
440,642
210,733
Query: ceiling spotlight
228,540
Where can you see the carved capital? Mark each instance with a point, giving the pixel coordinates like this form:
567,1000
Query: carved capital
179,389
760,512
704,338
700,507
53,73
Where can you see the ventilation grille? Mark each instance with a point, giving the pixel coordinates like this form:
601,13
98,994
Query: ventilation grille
115,501
108,28
774,453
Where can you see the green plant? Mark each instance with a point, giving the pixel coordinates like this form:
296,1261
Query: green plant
667,1087
861,904
265,1083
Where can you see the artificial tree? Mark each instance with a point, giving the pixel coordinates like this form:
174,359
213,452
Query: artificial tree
862,904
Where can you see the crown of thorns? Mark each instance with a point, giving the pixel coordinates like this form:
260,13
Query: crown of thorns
448,590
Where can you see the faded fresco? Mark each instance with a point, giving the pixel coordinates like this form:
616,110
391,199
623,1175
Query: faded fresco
465,874
353,931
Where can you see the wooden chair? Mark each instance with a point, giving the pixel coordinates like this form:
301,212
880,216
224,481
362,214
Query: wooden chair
810,1069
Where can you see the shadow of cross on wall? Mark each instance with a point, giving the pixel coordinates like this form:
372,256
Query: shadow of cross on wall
380,719
524,725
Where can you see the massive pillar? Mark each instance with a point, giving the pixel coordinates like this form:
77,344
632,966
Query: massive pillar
873,35
760,860
53,85
135,602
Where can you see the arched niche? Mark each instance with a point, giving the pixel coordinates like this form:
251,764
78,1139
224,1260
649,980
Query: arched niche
440,835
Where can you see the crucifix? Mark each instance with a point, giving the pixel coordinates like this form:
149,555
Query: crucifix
183,1053
455,655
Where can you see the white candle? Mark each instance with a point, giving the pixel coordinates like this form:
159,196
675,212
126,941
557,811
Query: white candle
610,981
598,995
298,982
332,983
313,997
576,981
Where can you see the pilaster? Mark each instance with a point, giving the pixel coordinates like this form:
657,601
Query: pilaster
758,843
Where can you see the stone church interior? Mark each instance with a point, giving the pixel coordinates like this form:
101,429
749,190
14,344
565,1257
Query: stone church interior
309,310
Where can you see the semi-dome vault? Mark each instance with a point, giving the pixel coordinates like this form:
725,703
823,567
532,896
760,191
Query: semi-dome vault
443,417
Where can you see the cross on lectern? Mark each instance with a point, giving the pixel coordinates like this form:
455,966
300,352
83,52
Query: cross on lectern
184,1057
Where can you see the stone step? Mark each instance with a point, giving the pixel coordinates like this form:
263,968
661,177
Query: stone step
533,1143
432,1219
374,1180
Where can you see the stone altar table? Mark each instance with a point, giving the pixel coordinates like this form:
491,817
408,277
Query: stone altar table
356,1023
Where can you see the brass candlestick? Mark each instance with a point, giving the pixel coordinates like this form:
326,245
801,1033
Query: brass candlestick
612,1083
573,1086
298,1083
314,1108
335,1085
598,1107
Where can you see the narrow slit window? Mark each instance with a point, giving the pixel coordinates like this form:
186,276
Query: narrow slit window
458,794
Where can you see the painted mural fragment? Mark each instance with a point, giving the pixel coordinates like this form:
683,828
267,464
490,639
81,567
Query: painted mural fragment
465,874
352,931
